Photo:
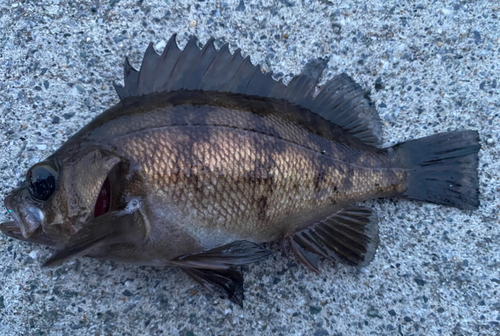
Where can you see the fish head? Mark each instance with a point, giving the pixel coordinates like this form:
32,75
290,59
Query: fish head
60,194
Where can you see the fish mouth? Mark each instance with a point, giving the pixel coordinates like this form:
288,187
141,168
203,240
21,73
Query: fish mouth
27,217
11,209
26,225
13,230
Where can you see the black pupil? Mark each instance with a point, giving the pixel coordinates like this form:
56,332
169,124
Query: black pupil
42,183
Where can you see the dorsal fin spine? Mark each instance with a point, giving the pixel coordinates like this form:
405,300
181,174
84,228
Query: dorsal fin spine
170,48
224,50
131,76
240,77
149,62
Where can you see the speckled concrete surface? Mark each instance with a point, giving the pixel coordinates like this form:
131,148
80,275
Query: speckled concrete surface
430,66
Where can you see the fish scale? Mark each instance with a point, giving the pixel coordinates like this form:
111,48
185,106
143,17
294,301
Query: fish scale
233,159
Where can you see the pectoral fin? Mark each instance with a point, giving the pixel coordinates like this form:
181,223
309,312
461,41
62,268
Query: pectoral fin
124,226
349,236
213,268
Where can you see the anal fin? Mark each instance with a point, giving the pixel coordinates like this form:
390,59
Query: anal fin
303,254
349,236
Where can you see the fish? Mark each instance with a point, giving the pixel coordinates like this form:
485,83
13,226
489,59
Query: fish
207,158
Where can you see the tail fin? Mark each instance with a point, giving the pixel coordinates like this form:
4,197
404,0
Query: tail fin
443,168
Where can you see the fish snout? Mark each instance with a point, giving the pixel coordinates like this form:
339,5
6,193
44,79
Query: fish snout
7,202
27,215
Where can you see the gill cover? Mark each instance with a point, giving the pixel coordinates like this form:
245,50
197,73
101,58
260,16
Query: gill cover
81,176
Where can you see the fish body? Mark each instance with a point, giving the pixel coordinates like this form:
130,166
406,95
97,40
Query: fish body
247,170
205,158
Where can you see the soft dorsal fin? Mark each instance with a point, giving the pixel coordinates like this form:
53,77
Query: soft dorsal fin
340,101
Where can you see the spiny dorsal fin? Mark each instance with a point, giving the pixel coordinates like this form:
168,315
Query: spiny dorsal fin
340,101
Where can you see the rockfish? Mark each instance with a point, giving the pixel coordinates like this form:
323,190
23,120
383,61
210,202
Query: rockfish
206,157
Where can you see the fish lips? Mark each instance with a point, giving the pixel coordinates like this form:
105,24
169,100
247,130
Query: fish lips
11,229
28,217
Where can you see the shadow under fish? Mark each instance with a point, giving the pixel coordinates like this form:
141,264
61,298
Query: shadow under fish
206,157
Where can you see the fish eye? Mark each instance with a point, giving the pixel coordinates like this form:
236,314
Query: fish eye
41,179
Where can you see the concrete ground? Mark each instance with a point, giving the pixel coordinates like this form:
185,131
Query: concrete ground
430,66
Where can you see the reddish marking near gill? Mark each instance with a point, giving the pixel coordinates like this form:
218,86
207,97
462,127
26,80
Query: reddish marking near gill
103,200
